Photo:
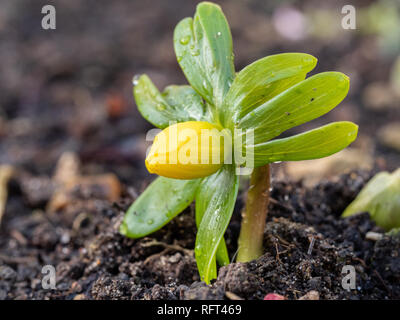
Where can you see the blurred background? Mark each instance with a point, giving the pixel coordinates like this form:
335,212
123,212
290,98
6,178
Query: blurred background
70,89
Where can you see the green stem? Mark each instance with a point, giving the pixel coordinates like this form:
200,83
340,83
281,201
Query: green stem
254,216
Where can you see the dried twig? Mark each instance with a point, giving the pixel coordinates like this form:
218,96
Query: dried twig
174,246
310,248
167,248
17,260
276,202
232,296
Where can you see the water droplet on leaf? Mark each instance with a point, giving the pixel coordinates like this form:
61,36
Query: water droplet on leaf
160,107
307,60
135,79
185,40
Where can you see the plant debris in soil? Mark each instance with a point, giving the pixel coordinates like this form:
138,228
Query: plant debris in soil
306,247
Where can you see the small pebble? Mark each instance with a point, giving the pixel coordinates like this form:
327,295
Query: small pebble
311,295
7,273
374,236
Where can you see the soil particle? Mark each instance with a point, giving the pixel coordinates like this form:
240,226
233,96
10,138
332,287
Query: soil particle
7,273
312,295
200,291
106,288
385,263
237,278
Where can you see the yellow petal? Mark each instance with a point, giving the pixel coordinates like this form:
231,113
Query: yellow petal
189,150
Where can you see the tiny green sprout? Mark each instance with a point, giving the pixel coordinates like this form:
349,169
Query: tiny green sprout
381,198
245,110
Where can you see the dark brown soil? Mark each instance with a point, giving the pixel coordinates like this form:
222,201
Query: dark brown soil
93,261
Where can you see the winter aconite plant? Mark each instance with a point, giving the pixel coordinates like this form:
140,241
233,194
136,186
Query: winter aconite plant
226,120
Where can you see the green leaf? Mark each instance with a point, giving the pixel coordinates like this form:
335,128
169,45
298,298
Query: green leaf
163,199
381,198
313,144
222,255
203,47
175,104
204,196
262,80
299,104
223,186
395,232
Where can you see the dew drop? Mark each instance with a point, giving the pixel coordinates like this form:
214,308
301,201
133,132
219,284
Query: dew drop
307,60
150,221
135,79
219,33
185,40
343,82
160,107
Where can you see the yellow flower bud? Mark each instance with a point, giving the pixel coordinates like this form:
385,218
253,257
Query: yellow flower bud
189,150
